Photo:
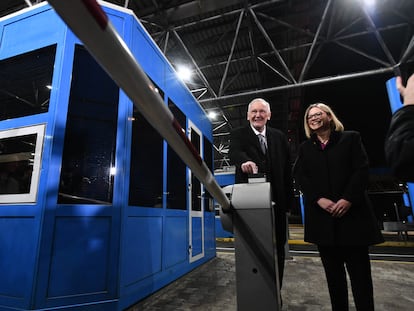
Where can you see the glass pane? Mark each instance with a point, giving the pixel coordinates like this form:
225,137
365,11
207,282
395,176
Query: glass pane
20,154
25,82
146,172
176,169
208,159
16,163
195,183
90,138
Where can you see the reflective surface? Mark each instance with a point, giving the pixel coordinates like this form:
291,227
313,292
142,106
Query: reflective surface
16,163
25,82
90,138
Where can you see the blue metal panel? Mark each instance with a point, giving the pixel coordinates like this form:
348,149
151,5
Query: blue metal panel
393,95
175,245
210,236
80,256
21,34
148,55
197,243
407,201
225,179
121,22
17,257
142,258
411,195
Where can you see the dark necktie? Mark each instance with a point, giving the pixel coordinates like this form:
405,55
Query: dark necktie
262,143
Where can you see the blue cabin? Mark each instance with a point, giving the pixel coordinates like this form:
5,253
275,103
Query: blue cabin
96,210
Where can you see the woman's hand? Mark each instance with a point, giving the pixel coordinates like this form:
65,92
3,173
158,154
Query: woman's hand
326,204
340,208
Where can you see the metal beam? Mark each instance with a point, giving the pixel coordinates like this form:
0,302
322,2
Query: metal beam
231,52
302,84
378,36
270,42
315,39
199,72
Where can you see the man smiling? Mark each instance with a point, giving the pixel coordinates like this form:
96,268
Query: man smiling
258,148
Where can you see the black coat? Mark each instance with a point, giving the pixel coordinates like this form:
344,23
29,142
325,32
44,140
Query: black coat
245,146
399,144
340,171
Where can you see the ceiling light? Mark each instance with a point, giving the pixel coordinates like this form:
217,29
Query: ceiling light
212,115
184,73
369,3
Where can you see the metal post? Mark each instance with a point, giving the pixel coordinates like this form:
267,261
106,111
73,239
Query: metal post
252,222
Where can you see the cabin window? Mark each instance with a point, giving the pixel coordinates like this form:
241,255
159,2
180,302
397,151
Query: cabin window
89,146
26,83
146,170
176,169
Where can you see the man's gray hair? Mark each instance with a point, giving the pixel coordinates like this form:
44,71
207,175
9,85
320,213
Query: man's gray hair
258,100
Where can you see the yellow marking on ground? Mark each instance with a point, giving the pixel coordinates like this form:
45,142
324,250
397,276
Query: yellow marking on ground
301,242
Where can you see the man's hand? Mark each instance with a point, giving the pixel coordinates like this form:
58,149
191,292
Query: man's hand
406,92
249,167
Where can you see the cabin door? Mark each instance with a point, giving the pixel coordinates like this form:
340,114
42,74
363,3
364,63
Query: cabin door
196,202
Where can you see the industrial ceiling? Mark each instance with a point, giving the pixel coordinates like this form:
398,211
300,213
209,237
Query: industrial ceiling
242,49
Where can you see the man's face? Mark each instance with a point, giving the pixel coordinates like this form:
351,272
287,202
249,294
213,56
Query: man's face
258,115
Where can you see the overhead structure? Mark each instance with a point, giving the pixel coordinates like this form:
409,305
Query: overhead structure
241,49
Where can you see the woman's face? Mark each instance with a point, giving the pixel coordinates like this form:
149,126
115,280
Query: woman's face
318,119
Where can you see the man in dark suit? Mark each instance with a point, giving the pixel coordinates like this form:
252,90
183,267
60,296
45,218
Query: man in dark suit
274,161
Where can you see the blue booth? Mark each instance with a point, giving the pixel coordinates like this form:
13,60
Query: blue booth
96,210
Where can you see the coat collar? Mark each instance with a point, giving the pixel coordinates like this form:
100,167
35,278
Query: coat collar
333,138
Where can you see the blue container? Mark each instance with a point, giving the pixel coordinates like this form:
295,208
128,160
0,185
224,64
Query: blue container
96,210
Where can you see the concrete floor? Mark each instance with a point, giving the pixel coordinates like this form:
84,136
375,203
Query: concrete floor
212,287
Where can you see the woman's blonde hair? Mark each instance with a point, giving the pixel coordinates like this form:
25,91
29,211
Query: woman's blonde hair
336,125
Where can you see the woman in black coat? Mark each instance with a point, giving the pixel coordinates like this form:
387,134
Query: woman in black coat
331,171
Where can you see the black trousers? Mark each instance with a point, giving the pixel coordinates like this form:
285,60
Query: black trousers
356,261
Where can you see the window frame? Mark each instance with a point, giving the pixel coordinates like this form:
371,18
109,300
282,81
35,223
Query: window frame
30,197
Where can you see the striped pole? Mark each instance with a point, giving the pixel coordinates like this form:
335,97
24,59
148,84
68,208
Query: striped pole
91,25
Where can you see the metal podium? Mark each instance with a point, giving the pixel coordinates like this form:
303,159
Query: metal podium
252,223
